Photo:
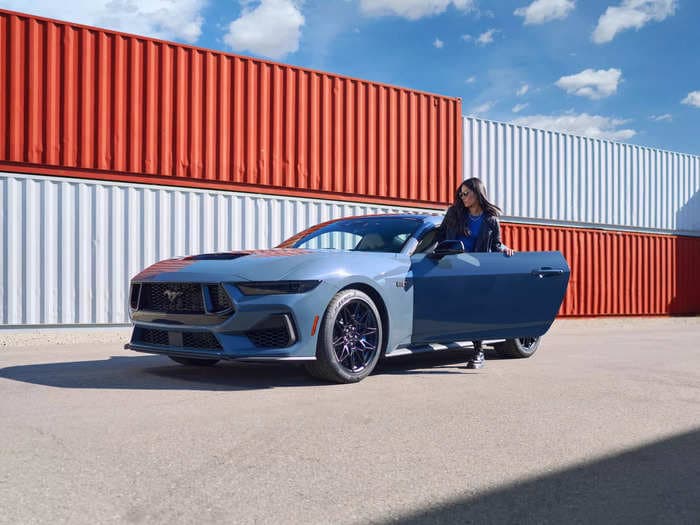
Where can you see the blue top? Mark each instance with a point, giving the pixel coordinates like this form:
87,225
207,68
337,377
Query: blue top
473,225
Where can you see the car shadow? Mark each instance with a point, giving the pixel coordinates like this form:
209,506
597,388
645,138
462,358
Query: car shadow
152,372
155,372
436,362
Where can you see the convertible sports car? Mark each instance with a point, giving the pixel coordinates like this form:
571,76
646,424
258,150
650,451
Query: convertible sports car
342,294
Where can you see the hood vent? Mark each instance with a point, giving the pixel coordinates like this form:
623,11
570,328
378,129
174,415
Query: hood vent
224,256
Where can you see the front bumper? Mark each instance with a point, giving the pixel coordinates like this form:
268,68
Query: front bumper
211,354
261,328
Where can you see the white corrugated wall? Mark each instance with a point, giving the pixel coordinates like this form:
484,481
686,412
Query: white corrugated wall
70,246
548,176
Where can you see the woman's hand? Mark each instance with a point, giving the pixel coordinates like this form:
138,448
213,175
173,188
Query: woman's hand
508,251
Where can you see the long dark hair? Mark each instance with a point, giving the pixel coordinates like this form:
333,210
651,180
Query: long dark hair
458,218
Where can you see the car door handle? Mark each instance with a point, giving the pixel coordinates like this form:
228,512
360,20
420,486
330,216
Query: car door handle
546,272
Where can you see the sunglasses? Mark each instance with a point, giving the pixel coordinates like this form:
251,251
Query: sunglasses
461,194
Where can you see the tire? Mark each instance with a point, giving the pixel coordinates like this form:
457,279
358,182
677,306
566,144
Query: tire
194,361
518,348
353,323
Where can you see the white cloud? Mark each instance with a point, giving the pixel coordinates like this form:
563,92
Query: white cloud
592,84
541,11
271,29
482,108
692,99
487,37
439,43
483,39
522,90
470,80
666,117
631,14
164,19
595,126
519,107
412,9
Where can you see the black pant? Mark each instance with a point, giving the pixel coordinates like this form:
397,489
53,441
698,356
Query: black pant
477,348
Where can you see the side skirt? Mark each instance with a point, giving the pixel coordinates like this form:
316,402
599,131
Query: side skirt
432,347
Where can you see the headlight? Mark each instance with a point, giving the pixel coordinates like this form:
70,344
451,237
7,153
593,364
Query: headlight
276,287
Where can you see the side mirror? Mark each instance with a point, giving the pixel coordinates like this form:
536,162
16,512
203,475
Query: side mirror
446,248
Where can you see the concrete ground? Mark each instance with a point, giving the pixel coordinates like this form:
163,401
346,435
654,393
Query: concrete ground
601,425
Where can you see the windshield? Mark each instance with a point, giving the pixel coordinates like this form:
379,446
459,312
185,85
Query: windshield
364,234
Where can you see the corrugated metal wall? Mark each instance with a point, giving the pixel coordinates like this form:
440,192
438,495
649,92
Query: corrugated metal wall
100,104
70,262
71,246
550,176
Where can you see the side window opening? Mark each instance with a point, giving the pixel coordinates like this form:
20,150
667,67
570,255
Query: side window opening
428,242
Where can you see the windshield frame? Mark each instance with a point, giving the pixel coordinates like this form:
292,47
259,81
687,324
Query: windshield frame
326,227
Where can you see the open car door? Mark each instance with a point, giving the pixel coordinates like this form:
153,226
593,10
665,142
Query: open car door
478,296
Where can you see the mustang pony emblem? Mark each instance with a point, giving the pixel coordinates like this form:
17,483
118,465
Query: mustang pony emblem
171,295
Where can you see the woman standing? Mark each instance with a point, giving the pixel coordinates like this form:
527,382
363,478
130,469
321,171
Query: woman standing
473,220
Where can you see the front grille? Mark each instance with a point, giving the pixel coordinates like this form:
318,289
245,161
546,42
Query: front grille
175,298
152,336
271,338
180,298
220,300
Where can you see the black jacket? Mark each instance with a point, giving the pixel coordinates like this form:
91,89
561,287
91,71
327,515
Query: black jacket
489,239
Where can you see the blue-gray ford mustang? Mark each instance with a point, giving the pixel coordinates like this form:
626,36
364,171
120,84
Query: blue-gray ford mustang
342,294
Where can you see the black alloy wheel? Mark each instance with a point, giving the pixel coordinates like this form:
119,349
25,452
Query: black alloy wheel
350,339
518,348
528,342
355,335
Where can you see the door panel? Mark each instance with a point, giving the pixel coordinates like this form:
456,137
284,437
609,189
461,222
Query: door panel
474,296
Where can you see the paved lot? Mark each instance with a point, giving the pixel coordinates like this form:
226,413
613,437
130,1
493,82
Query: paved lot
602,424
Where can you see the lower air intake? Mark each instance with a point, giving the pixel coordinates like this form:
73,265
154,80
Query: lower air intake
274,338
200,340
152,336
276,331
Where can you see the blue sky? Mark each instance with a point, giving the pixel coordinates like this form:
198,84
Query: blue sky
627,70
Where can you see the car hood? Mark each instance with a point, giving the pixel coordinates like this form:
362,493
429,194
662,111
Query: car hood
244,265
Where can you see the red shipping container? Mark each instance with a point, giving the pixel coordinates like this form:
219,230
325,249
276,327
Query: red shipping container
86,102
619,273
